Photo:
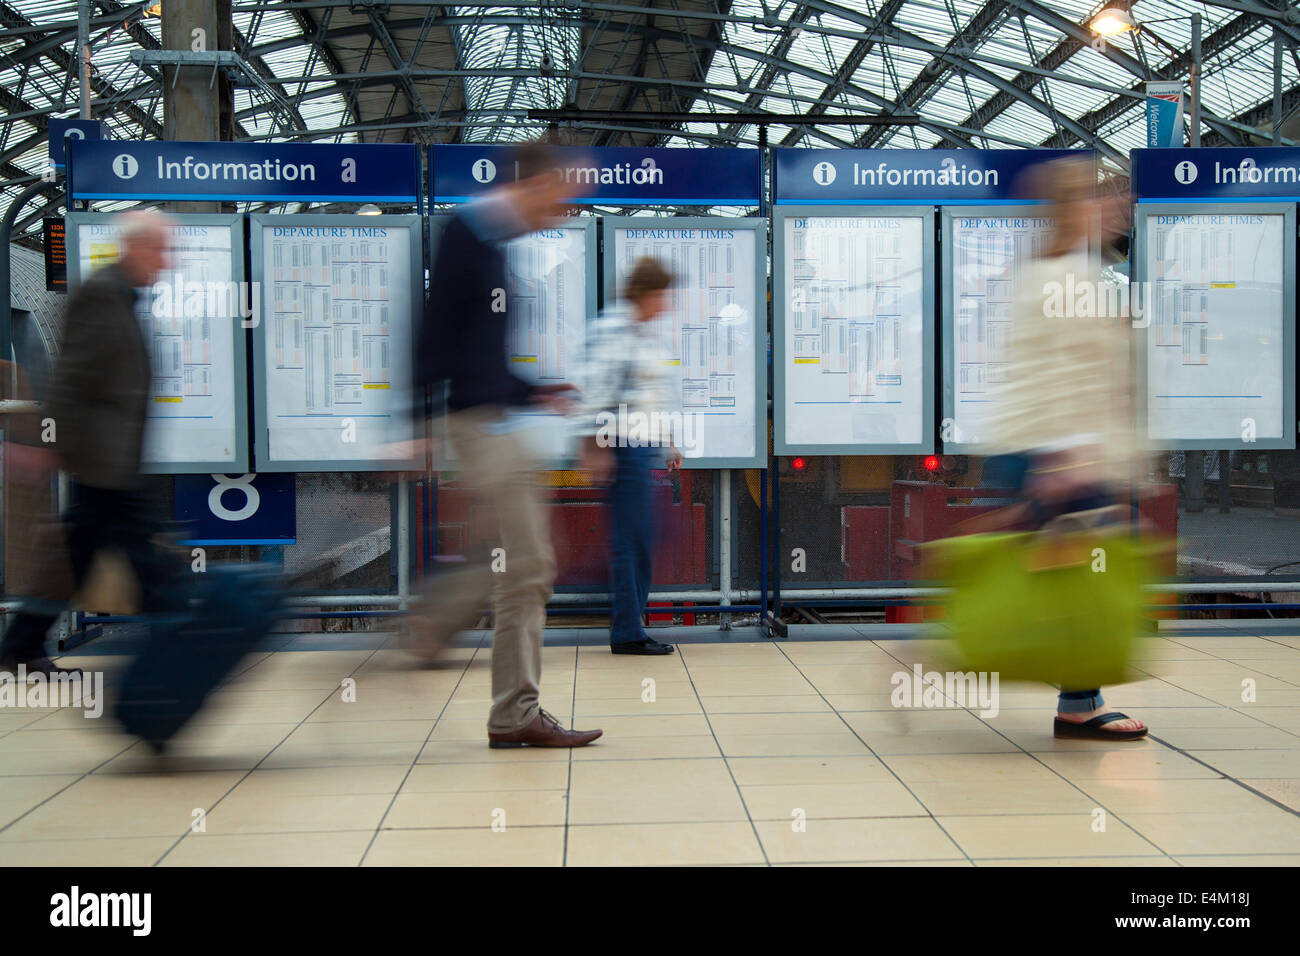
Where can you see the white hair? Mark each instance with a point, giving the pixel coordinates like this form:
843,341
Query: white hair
144,224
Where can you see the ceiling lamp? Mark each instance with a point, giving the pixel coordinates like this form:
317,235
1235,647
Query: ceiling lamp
1111,22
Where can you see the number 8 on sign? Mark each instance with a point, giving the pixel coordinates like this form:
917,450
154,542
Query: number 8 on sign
224,483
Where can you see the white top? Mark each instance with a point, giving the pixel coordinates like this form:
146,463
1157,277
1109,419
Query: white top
627,386
1068,384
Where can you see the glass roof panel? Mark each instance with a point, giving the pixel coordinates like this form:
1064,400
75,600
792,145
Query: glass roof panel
774,55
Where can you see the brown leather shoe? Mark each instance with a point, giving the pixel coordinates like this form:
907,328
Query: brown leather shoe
544,731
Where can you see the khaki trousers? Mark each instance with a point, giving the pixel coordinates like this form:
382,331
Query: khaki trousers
518,574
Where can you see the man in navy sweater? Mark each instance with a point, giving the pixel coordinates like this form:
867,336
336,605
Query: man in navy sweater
463,345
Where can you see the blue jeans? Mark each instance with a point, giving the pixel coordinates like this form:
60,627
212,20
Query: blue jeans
1014,470
631,534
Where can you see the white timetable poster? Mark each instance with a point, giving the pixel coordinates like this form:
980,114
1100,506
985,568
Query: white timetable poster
988,254
548,280
854,331
547,271
709,330
1218,326
192,318
335,340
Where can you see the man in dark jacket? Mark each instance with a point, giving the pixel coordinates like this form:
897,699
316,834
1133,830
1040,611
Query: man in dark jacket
463,343
99,396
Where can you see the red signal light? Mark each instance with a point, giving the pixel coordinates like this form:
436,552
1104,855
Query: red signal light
799,464
931,462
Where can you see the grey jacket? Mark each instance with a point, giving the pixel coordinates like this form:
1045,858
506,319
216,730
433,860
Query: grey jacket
99,395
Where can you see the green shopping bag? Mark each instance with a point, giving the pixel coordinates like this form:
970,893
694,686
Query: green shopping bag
1039,606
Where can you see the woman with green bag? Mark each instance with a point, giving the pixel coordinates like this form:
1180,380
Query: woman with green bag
1064,410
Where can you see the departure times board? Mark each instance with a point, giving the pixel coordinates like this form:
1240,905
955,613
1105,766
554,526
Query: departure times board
711,331
339,296
193,318
854,330
1216,296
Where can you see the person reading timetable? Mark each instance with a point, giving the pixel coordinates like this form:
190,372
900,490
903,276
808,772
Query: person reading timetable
628,420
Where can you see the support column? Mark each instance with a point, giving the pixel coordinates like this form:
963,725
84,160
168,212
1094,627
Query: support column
724,545
83,55
192,94
1196,79
1194,481
1225,481
1278,49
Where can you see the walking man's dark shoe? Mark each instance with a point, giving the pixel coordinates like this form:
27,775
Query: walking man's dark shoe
644,648
544,731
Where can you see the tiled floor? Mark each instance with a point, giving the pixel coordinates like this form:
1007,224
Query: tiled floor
744,752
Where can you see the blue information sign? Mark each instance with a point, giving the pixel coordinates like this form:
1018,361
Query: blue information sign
236,509
1232,174
949,177
62,130
617,175
370,172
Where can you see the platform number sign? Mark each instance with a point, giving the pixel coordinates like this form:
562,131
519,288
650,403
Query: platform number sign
236,509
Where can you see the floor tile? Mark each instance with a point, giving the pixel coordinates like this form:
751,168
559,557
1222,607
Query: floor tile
1145,761
251,811
1170,795
1285,791
21,794
321,781
1252,763
478,846
1009,768
895,838
1051,836
829,801
124,805
768,771
613,747
972,796
767,704
664,844
88,851
1264,830
539,775
1099,861
270,849
477,808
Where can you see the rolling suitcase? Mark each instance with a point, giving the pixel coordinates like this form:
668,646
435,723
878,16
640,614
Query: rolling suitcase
184,659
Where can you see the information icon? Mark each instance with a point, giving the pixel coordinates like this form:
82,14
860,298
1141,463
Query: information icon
484,170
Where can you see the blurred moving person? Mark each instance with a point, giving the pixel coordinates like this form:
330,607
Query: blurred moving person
463,342
627,421
1065,410
98,399
35,547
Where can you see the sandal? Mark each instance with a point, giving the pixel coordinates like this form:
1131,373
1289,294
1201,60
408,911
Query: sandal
1092,729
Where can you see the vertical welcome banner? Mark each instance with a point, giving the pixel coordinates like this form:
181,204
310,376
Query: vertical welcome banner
1165,113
